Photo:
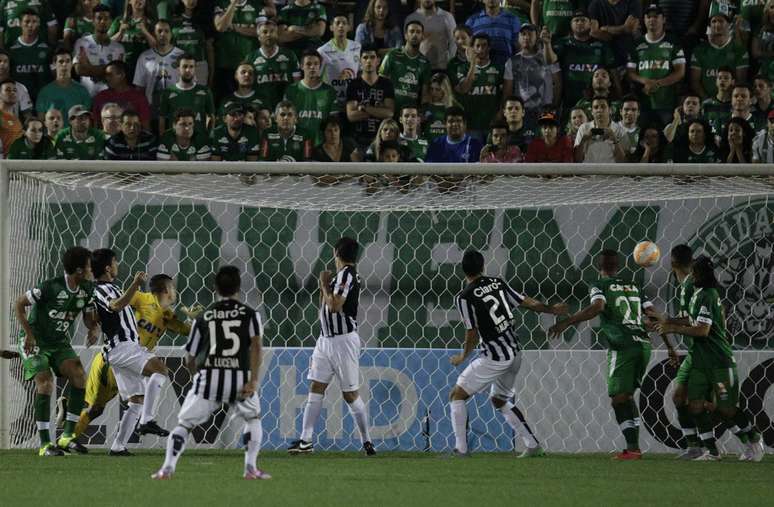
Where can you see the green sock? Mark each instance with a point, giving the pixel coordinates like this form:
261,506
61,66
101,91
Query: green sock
74,406
706,433
43,417
625,419
688,426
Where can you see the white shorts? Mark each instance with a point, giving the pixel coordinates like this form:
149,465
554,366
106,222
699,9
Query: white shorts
483,372
128,360
338,356
196,410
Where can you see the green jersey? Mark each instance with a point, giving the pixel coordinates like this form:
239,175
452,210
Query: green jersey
198,98
434,121
31,64
621,320
189,36
708,58
482,102
556,15
22,150
69,148
313,105
273,73
10,20
656,60
522,14
714,350
408,74
238,148
717,113
752,14
275,148
134,41
55,307
296,15
79,27
231,47
684,295
707,156
197,150
578,61
417,147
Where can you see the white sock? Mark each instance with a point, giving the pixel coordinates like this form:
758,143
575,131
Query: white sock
359,411
175,447
518,426
126,426
254,436
311,413
152,389
459,418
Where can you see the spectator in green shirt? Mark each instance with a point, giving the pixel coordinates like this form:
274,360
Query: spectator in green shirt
79,141
34,144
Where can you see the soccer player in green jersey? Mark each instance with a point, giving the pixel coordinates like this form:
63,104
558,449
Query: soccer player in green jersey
275,67
717,109
658,64
408,69
44,343
79,141
233,139
620,305
719,50
34,144
314,100
713,372
186,94
284,143
183,142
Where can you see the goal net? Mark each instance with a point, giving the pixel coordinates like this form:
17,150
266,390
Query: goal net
539,233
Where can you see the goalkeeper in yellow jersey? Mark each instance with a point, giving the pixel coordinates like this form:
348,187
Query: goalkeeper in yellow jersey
154,316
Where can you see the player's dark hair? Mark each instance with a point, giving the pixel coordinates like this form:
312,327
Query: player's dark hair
29,11
761,77
228,281
102,8
472,263
464,28
414,22
100,260
704,273
75,258
312,53
129,113
482,36
346,249
184,112
601,97
60,50
630,98
369,48
158,283
514,98
609,261
330,120
8,81
185,56
118,65
456,111
727,69
681,255
743,87
390,145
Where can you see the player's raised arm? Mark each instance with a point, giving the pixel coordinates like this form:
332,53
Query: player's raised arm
334,297
539,307
120,303
595,308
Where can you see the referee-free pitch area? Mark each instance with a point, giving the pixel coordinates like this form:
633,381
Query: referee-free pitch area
391,478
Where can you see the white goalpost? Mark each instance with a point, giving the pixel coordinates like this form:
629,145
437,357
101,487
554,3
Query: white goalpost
538,226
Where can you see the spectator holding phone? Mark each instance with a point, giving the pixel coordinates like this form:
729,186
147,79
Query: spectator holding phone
601,140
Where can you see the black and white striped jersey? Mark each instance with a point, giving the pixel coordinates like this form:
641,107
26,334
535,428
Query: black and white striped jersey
220,341
117,327
488,305
347,285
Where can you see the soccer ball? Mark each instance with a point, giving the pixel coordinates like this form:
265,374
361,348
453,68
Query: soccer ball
646,253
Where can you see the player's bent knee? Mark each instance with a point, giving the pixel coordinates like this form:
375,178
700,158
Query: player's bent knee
497,402
44,383
318,387
136,399
350,396
458,394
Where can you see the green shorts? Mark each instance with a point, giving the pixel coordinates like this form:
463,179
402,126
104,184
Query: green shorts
685,369
625,368
48,357
719,384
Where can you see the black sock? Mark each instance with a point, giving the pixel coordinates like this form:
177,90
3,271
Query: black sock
624,416
706,433
688,426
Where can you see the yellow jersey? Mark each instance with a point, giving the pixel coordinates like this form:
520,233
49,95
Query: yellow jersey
153,320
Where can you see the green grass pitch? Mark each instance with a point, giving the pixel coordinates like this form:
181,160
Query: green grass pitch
400,479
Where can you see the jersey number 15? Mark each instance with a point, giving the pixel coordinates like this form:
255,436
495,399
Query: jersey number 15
228,335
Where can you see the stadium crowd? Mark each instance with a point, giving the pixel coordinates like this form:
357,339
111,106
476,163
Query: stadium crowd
388,80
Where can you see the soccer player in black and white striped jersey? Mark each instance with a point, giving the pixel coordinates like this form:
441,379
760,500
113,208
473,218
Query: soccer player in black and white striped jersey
487,306
130,361
338,348
224,351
